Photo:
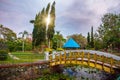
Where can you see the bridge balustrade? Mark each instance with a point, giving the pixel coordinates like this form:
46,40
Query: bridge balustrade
94,60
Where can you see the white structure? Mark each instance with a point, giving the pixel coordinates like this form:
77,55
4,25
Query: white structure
46,55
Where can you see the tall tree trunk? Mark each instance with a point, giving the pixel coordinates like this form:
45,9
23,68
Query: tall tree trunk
49,43
23,45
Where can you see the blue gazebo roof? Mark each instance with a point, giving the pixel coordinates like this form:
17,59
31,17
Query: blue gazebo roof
71,43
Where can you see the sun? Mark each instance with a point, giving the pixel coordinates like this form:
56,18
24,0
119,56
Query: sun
48,20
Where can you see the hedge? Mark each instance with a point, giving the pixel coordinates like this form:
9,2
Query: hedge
3,54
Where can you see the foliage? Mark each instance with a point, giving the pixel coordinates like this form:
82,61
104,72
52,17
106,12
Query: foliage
57,69
3,54
50,33
56,76
23,58
60,49
9,41
92,38
16,45
79,38
6,33
28,46
51,25
48,49
97,42
54,46
109,31
58,40
11,45
88,38
47,9
24,33
39,30
34,36
88,41
3,46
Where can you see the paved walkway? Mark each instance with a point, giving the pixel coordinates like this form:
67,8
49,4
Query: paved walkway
13,57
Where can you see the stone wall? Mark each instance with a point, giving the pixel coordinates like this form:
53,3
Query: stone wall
26,71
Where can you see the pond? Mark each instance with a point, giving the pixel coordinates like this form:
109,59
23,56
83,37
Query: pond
77,72
85,73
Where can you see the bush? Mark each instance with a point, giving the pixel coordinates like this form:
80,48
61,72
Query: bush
60,49
3,45
3,55
57,69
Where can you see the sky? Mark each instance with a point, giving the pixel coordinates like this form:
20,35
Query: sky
72,16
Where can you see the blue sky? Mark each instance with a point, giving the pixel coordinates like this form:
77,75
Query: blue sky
72,16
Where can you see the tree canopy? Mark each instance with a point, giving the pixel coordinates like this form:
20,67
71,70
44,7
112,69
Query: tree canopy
109,30
6,33
41,30
80,39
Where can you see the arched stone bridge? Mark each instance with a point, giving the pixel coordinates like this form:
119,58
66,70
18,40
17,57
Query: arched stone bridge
100,60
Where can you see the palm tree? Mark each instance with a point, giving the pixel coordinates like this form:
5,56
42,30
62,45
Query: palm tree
24,33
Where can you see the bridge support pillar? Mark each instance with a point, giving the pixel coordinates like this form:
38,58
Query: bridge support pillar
88,59
95,58
102,62
111,65
65,57
82,57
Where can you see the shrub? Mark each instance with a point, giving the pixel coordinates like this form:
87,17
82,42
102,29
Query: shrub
60,49
3,55
3,45
57,69
46,71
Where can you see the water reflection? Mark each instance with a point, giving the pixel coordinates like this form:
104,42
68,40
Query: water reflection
85,73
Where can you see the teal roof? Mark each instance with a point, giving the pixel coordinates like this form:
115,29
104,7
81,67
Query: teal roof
71,43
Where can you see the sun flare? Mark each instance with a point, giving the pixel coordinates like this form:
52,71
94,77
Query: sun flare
48,19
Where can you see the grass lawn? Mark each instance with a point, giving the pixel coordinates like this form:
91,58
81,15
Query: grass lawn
24,57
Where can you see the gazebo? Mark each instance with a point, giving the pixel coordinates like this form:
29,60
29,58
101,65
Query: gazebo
71,44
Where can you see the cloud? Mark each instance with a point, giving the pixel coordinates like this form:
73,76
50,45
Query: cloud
17,14
72,16
80,15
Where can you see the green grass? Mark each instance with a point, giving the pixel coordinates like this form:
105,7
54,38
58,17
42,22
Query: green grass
24,57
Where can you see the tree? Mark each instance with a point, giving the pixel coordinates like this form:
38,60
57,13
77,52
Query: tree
97,42
51,31
80,39
92,38
28,44
109,30
47,23
7,34
7,37
88,39
47,9
32,21
58,40
24,33
39,30
3,45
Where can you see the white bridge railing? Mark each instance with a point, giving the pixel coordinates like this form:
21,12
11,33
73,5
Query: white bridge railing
85,51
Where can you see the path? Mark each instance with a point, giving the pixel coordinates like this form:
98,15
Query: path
13,57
